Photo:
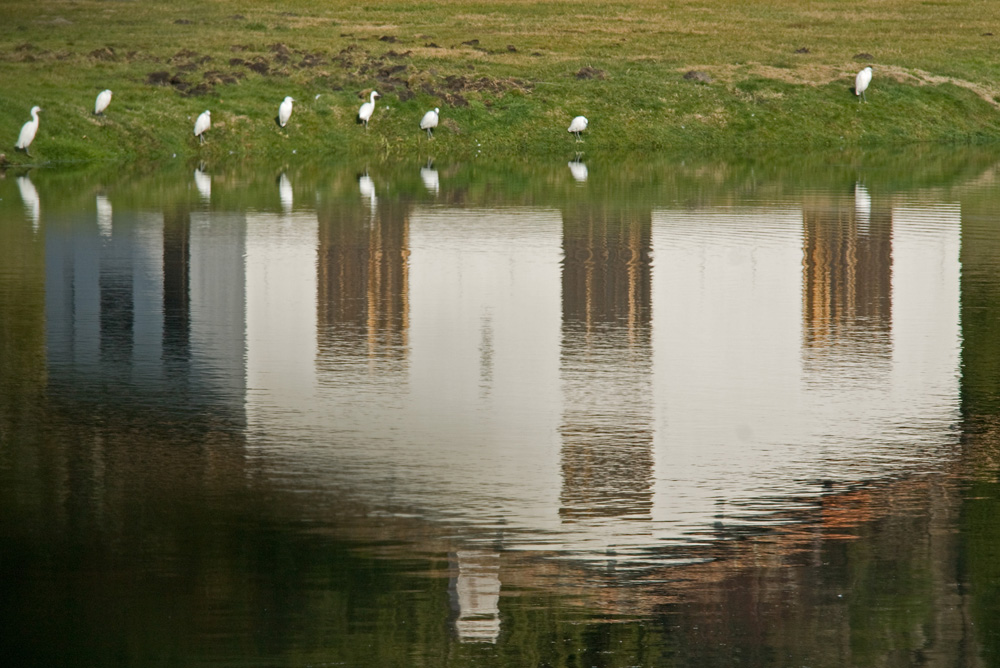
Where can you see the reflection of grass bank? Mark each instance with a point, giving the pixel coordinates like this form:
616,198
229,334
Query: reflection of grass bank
507,77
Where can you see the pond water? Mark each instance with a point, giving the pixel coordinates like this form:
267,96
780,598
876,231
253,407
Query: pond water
586,413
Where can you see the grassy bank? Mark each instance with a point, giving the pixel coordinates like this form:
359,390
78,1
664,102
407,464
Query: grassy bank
508,78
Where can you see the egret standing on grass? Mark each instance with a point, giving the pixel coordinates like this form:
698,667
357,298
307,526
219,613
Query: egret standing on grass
102,102
430,121
367,109
861,82
202,125
28,131
578,125
285,111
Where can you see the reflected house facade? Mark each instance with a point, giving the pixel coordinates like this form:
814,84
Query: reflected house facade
606,353
847,277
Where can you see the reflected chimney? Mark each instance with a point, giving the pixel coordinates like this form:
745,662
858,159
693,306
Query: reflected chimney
474,590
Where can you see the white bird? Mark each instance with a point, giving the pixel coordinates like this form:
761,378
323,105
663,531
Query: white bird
285,111
202,125
430,121
102,102
366,110
861,82
28,131
578,125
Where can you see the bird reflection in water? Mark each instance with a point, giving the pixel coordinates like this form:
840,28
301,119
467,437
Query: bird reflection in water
367,187
32,205
429,176
578,168
203,182
104,216
862,208
285,193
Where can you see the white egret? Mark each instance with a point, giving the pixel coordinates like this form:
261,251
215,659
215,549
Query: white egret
430,121
202,125
285,111
28,131
861,82
578,125
366,110
102,102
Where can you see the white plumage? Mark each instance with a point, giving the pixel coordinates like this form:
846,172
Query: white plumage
861,82
285,111
367,109
102,102
578,125
202,125
430,121
28,131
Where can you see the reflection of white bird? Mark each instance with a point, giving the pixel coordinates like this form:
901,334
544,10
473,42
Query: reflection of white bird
285,111
29,196
578,125
203,182
367,109
102,102
430,121
28,131
429,176
104,215
367,187
285,192
578,169
202,125
861,82
862,208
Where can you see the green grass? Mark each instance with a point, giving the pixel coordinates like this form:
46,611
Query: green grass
505,76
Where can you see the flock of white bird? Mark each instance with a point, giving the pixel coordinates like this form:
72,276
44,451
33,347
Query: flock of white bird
427,123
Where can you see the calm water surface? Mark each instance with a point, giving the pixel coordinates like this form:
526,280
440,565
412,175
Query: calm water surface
578,414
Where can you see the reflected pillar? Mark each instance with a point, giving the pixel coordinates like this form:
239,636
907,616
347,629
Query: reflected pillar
847,278
363,281
176,290
606,364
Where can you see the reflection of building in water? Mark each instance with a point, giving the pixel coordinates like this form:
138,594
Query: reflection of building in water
146,309
847,276
474,590
363,298
607,430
